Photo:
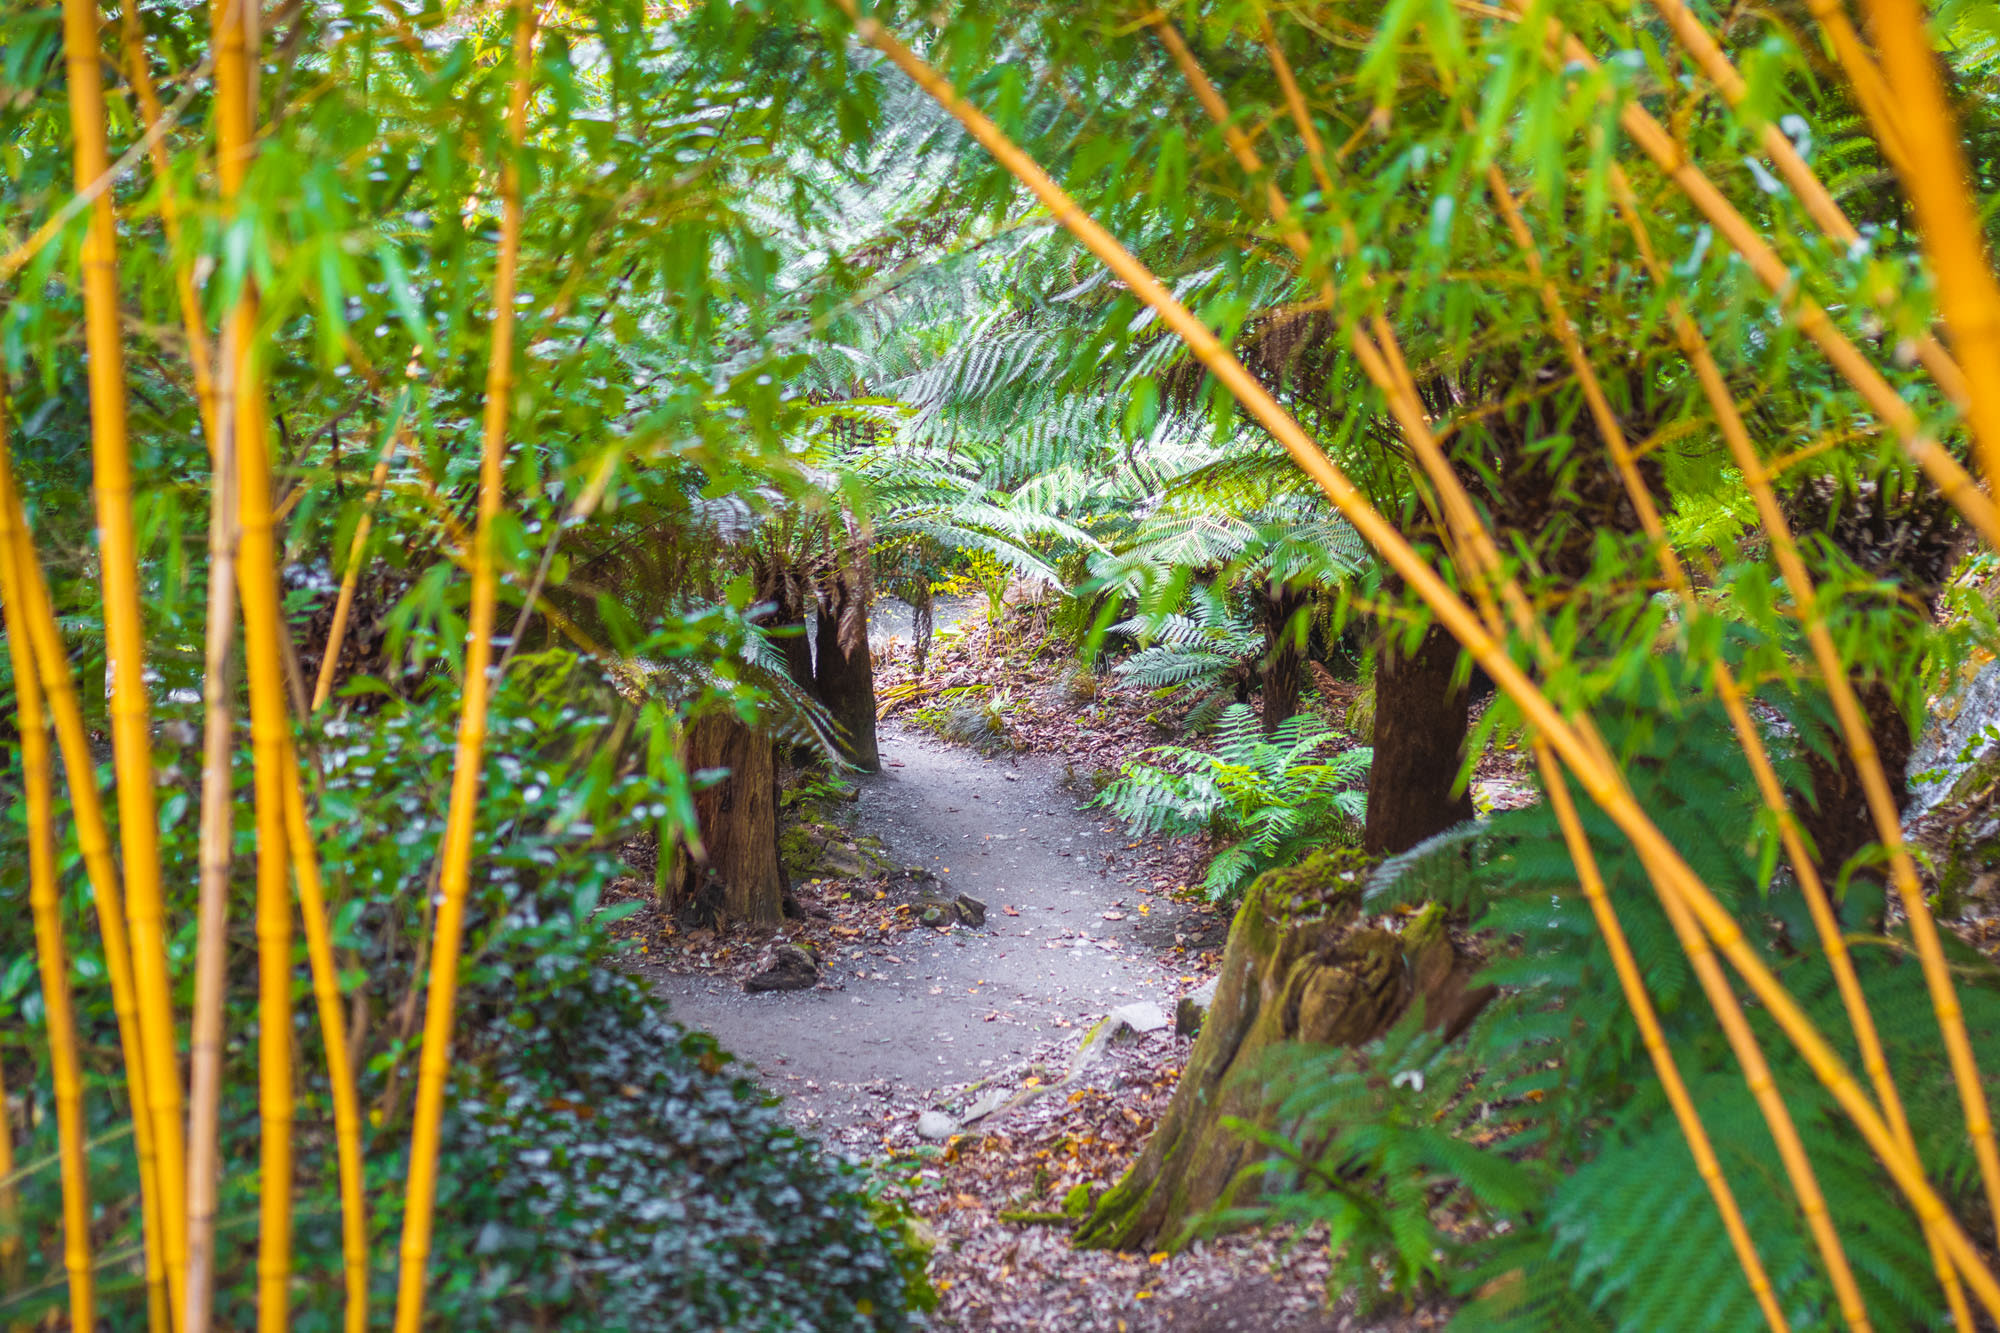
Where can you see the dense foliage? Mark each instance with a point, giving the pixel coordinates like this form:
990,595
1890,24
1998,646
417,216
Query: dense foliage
788,338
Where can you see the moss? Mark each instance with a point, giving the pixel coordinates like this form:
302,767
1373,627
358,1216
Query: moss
1308,889
798,849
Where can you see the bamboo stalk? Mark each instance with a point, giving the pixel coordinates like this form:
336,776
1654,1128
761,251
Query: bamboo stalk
339,1058
263,623
1709,57
51,956
455,872
200,358
1861,746
1641,1004
1811,319
94,842
350,579
1936,179
124,639
1601,783
1818,900
217,833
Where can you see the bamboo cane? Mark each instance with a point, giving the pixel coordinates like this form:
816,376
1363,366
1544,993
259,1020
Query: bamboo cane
263,623
1386,367
1946,473
339,1059
37,779
1714,63
1634,986
94,842
350,579
1952,482
200,358
454,878
1935,178
217,832
1861,745
1818,901
1601,784
124,638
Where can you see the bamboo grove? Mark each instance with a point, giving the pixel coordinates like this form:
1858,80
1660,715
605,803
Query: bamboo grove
526,250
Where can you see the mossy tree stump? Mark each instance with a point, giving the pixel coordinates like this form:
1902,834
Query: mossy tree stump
1296,971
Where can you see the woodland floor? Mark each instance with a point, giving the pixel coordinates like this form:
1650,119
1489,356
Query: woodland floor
1080,920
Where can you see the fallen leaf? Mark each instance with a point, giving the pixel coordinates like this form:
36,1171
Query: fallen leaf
1114,916
1009,911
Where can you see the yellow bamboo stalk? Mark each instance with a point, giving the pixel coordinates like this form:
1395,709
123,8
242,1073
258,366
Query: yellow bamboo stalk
1864,77
263,623
455,870
124,640
1945,472
1386,366
1861,745
94,842
1937,182
339,1059
153,115
1818,901
1641,1004
343,605
1714,63
1598,780
50,954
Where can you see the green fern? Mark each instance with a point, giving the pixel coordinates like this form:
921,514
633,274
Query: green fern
1267,799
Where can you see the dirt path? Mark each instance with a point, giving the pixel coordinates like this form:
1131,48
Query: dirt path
934,1009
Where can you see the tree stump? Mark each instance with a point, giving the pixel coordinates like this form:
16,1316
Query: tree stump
1294,972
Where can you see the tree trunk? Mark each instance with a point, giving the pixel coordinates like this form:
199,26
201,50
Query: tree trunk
845,673
1421,720
739,877
1284,657
1835,815
1293,972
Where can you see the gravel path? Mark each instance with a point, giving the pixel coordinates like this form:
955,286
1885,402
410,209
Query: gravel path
937,1009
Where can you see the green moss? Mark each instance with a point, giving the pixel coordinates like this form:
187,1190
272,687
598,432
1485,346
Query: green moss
1307,889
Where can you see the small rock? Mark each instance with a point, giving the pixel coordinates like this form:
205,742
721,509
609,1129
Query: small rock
935,916
1193,1007
1142,1017
970,910
786,967
936,1125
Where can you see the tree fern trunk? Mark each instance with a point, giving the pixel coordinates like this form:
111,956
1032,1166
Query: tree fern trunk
1421,720
740,877
845,674
1285,657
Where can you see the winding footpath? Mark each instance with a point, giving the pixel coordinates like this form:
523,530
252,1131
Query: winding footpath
1067,938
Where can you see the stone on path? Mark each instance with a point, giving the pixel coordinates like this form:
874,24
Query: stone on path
1193,1007
785,967
936,1125
1134,1020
